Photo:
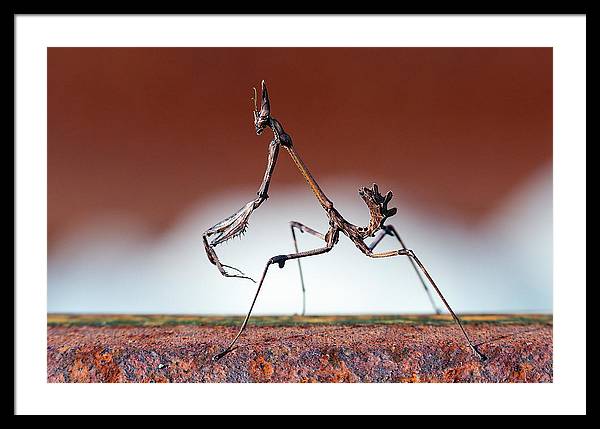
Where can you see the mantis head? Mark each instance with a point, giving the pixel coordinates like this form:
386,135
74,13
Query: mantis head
262,117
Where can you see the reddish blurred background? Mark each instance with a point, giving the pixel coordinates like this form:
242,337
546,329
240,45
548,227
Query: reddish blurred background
152,131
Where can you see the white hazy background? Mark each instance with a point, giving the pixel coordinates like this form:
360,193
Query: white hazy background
502,265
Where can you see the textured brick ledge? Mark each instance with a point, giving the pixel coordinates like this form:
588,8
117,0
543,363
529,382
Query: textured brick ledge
292,349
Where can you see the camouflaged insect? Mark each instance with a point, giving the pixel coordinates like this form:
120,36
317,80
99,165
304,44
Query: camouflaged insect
236,224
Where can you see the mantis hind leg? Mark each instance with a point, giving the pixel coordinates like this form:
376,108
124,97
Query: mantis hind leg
303,228
408,252
390,230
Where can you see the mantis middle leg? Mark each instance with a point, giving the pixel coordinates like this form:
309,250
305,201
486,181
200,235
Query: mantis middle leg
303,228
280,260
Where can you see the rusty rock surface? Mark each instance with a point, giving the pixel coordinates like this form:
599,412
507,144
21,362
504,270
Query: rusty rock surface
307,353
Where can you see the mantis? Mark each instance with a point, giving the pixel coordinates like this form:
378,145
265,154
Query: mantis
236,224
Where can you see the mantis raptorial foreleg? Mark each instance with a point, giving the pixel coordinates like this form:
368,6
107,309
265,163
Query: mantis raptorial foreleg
236,224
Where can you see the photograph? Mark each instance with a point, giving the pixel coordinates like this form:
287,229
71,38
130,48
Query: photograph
300,215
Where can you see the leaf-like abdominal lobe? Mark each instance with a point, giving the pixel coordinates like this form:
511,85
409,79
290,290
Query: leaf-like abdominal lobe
378,206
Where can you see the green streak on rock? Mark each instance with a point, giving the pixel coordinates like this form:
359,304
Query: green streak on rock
172,320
